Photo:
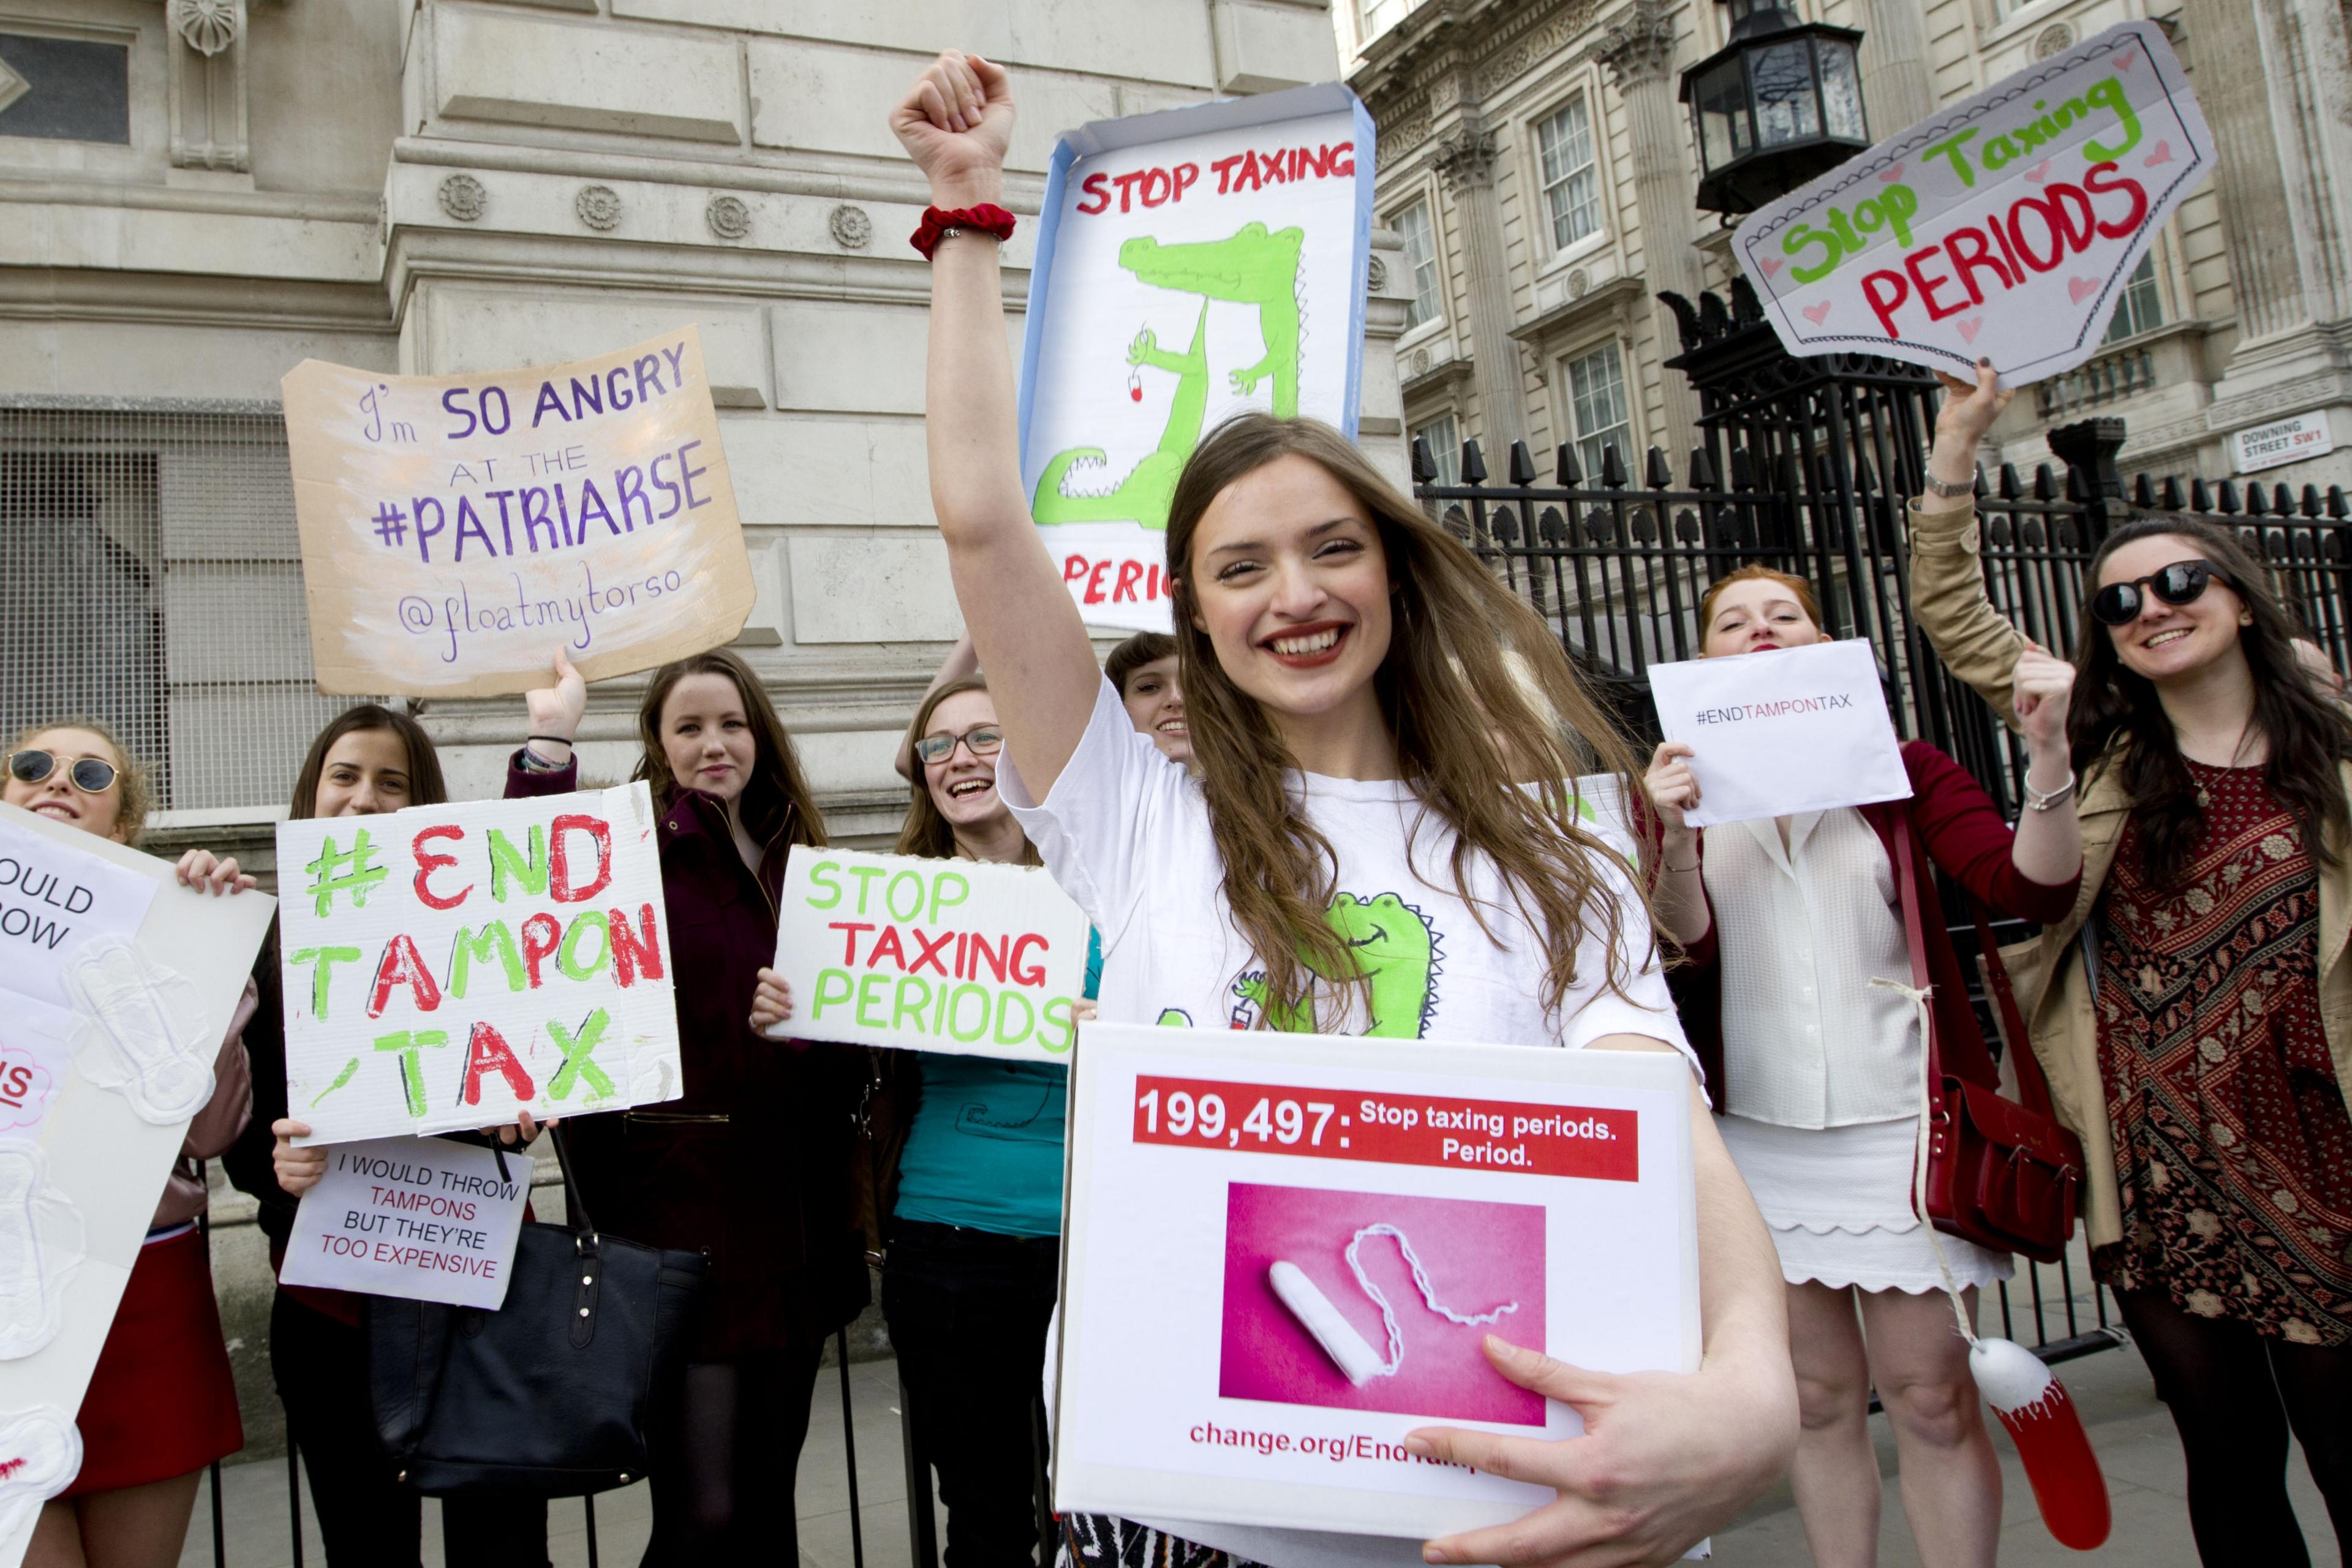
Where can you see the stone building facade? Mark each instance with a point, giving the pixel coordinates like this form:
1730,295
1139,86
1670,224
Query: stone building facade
1538,170
196,195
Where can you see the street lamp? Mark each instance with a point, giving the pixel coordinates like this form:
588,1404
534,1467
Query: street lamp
1777,105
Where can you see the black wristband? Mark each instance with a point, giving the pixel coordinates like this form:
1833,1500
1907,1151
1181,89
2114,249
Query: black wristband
556,739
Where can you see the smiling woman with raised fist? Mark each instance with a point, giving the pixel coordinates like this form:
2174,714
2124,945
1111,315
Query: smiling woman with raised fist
1368,709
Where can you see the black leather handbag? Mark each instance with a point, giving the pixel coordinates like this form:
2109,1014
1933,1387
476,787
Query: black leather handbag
551,1394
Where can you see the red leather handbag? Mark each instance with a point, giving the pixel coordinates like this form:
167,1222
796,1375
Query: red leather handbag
1998,1172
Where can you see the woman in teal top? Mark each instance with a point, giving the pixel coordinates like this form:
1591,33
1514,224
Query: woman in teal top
974,1253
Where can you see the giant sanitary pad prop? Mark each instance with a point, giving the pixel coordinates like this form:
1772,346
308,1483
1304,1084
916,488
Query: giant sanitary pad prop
116,987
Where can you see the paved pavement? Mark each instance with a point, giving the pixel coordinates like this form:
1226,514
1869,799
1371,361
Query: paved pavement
2128,1427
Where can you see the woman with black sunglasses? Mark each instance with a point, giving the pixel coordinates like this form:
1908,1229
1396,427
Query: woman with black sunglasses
2194,1011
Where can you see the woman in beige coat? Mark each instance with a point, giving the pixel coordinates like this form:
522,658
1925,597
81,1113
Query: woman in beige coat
2194,1011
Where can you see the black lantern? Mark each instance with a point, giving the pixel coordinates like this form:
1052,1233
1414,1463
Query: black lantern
1778,104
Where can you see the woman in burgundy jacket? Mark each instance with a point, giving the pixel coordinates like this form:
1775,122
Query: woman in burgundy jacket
1822,1072
751,1164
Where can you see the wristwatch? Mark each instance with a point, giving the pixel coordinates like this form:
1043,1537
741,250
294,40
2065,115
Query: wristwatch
1952,491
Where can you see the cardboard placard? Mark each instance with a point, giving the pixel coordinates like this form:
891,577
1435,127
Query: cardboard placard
89,1147
1791,730
963,957
457,530
451,966
421,1219
1223,1357
2004,227
1191,265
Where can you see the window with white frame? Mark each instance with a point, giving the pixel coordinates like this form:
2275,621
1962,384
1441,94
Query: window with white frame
1572,181
1445,447
1598,413
1379,15
1421,254
2141,309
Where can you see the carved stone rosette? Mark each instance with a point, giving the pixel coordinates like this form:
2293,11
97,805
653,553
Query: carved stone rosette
207,26
462,197
850,227
727,216
598,207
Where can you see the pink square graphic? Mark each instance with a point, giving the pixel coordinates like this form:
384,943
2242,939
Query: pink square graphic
1477,1256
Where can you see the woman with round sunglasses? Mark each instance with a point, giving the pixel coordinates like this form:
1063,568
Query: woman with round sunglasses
752,1162
1360,731
1790,920
162,1402
366,760
975,1194
2193,1011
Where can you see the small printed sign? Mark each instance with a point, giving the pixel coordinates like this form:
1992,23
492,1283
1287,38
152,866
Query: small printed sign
419,1218
2280,442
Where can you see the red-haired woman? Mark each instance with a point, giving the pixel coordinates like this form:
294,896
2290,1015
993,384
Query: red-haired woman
751,1164
1823,1075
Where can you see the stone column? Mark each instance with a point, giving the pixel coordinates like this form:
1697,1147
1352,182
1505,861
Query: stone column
1465,161
1895,88
1638,47
2272,77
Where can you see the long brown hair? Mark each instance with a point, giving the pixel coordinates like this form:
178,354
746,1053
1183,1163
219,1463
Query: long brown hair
2118,721
137,792
426,785
1467,731
924,831
776,799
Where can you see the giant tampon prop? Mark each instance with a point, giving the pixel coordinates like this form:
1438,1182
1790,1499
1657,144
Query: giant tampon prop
2047,1430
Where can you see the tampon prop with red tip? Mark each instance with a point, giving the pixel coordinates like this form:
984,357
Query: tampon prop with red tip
2048,1431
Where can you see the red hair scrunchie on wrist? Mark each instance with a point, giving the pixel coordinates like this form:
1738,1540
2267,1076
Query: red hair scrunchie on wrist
988,218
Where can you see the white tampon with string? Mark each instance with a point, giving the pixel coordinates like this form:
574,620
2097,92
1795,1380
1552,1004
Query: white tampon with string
1319,1318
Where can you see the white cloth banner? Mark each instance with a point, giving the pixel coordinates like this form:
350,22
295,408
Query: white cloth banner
1791,730
449,966
957,956
420,1217
2006,226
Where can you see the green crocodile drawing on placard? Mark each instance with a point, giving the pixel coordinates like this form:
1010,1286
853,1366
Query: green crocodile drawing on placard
1251,266
1395,949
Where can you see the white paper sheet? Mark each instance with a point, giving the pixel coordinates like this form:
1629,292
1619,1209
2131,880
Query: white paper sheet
1791,730
56,896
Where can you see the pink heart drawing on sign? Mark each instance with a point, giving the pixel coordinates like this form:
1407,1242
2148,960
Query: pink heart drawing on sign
2162,154
1970,328
1891,175
1771,264
1817,313
2081,288
2124,62
2040,172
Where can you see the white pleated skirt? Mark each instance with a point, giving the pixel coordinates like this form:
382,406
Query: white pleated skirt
1838,1203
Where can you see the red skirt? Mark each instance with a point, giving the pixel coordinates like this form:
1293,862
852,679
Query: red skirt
161,1402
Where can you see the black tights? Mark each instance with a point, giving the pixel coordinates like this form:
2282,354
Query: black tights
2234,1395
726,1456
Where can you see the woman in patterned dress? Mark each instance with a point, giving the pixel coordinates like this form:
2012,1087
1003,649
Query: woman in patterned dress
2194,1013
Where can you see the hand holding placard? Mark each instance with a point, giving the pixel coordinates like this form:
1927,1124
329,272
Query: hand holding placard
1789,730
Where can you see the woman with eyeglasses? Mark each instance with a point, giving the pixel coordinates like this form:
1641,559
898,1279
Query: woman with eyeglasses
162,1404
1792,918
1361,734
366,760
751,1164
2194,1011
975,1209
